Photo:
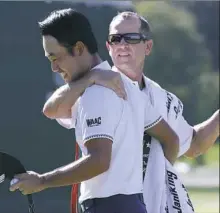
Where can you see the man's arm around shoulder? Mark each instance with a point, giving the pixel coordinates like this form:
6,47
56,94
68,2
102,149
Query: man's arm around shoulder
60,103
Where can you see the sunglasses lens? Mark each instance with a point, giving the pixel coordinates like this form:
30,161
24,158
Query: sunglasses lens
132,38
114,39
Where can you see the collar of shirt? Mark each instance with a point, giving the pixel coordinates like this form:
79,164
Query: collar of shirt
103,66
126,77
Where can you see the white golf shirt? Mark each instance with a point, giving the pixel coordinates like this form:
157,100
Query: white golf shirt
100,113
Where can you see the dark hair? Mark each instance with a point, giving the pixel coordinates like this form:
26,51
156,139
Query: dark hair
69,26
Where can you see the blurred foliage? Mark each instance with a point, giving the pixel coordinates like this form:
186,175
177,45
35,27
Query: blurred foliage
180,61
209,90
207,15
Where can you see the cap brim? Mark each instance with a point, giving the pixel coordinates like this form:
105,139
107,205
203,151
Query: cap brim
10,166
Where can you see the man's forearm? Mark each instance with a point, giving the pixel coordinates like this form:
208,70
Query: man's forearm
83,169
60,103
205,135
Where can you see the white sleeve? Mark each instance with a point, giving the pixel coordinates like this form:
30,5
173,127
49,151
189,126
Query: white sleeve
99,113
185,133
69,123
152,116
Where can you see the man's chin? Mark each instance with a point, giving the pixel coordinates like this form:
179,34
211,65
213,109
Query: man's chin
66,80
70,79
124,66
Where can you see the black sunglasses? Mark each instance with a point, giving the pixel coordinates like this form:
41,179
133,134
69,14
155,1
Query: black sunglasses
130,38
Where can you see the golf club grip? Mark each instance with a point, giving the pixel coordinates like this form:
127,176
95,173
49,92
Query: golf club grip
30,204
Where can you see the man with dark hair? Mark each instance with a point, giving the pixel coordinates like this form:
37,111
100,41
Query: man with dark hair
107,127
69,28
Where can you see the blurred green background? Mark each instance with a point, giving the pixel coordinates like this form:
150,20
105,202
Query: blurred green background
205,196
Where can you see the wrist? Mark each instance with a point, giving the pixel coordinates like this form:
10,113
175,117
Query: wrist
171,154
44,181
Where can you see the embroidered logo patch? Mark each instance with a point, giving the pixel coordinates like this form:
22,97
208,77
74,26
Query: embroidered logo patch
93,122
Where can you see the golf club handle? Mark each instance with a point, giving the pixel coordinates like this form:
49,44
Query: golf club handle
30,204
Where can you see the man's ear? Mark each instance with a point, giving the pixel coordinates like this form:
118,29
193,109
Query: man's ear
149,46
107,45
78,48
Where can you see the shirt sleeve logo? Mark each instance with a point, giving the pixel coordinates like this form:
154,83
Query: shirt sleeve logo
179,106
93,122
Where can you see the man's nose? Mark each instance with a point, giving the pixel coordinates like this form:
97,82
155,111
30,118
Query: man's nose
123,42
123,45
